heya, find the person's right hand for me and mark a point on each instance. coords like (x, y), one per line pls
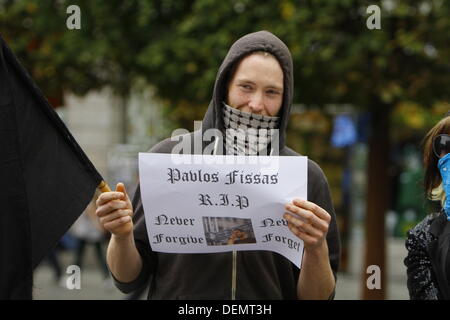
(114, 211)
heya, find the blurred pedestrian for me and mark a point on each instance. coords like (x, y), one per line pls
(88, 231)
(66, 243)
(53, 261)
(428, 268)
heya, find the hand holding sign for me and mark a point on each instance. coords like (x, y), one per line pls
(308, 221)
(114, 210)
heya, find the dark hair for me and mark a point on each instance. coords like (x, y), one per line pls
(432, 177)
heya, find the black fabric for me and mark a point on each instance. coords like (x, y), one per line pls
(439, 251)
(47, 179)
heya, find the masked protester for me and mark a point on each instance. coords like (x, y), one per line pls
(428, 242)
(253, 92)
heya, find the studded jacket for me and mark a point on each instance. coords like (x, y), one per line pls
(427, 260)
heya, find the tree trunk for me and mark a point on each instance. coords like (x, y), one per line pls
(124, 119)
(377, 204)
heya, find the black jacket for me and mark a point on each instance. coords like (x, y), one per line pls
(427, 262)
(260, 274)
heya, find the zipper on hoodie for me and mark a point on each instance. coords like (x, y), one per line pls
(234, 276)
(234, 253)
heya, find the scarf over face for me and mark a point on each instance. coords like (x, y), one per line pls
(444, 169)
(248, 134)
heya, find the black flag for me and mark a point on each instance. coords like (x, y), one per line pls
(47, 180)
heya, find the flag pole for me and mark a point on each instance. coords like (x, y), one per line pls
(103, 186)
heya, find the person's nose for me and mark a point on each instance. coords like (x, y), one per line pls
(256, 103)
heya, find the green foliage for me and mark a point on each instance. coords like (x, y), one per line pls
(177, 46)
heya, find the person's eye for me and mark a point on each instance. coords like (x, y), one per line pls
(246, 87)
(273, 92)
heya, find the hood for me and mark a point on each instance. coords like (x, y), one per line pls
(257, 41)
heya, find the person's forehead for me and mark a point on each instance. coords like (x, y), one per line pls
(259, 58)
(257, 65)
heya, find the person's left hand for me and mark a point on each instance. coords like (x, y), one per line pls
(308, 222)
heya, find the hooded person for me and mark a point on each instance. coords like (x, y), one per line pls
(259, 66)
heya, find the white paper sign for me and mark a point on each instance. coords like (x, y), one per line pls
(201, 203)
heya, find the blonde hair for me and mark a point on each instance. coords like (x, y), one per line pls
(264, 53)
(438, 194)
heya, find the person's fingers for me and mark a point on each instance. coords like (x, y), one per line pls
(117, 223)
(308, 240)
(304, 226)
(120, 187)
(307, 216)
(110, 207)
(114, 215)
(109, 196)
(311, 206)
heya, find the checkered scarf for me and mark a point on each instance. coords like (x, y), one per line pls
(247, 134)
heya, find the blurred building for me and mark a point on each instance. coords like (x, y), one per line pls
(112, 130)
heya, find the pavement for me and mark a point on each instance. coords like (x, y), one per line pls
(350, 284)
(94, 287)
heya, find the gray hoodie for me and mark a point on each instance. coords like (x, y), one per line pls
(244, 274)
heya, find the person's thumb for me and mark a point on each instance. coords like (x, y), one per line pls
(120, 187)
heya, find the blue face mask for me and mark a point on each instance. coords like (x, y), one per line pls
(444, 168)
